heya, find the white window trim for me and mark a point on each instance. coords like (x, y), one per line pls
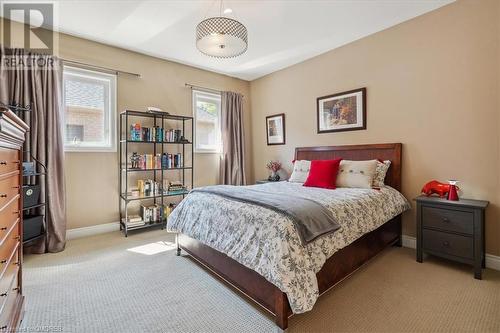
(112, 148)
(219, 132)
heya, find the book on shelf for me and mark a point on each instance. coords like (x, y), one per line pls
(156, 213)
(133, 221)
(158, 161)
(154, 134)
(176, 186)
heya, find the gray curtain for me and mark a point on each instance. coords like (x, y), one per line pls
(40, 87)
(232, 166)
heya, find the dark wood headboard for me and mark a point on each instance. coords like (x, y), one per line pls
(383, 151)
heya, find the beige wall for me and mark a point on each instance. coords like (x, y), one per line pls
(92, 178)
(432, 84)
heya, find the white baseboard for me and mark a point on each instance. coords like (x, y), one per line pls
(492, 261)
(410, 242)
(92, 230)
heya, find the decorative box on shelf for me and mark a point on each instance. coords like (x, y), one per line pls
(452, 229)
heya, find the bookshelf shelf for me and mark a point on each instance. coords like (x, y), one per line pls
(145, 197)
(42, 204)
(157, 142)
(159, 136)
(163, 169)
(144, 226)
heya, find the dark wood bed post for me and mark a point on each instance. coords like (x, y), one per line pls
(282, 309)
(343, 263)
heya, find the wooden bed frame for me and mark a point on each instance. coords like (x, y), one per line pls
(336, 268)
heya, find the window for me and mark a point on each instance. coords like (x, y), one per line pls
(90, 110)
(206, 109)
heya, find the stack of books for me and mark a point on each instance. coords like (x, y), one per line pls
(176, 186)
(133, 221)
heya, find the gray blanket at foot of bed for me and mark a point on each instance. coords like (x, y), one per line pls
(309, 217)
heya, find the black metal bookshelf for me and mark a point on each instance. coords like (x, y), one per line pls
(126, 143)
(38, 210)
(32, 229)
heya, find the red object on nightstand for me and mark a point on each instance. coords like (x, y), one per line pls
(452, 193)
(441, 189)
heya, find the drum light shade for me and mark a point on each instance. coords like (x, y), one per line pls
(221, 37)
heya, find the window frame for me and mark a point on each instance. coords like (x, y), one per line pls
(110, 117)
(210, 96)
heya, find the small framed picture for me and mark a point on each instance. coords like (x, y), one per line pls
(340, 112)
(275, 128)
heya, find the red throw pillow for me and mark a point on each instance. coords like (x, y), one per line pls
(323, 173)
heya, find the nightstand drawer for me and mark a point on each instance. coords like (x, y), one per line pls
(442, 242)
(447, 219)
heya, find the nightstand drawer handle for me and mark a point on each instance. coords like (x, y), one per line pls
(3, 162)
(446, 243)
(3, 195)
(3, 261)
(446, 220)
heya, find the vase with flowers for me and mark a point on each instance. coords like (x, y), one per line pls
(274, 166)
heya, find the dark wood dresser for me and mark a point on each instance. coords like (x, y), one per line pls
(452, 229)
(12, 133)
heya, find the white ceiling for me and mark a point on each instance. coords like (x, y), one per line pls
(280, 33)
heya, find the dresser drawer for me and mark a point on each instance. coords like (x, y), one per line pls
(9, 306)
(446, 219)
(9, 270)
(9, 160)
(8, 280)
(9, 187)
(8, 216)
(8, 246)
(442, 242)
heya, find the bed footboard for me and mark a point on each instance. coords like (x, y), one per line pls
(253, 285)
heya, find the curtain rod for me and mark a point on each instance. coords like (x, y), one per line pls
(116, 71)
(203, 88)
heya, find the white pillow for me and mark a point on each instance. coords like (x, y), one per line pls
(380, 172)
(358, 174)
(300, 171)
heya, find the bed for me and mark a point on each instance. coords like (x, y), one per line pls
(258, 252)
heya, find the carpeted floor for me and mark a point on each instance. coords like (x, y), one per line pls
(108, 283)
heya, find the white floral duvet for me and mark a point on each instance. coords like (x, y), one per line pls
(267, 242)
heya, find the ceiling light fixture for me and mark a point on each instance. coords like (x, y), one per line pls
(221, 37)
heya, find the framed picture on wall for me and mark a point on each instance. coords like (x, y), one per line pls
(275, 128)
(345, 111)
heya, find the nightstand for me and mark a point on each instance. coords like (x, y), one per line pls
(452, 229)
(264, 181)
